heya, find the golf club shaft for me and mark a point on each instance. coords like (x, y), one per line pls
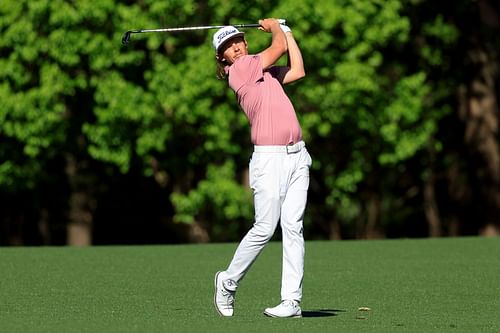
(126, 36)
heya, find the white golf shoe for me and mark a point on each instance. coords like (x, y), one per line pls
(224, 295)
(286, 309)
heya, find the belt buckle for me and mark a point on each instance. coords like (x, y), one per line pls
(289, 145)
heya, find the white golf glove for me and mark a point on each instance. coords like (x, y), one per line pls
(285, 28)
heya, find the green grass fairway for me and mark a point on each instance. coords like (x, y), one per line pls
(438, 285)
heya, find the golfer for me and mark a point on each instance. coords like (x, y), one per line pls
(279, 167)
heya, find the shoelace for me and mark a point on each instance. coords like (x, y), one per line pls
(228, 290)
(289, 303)
(229, 295)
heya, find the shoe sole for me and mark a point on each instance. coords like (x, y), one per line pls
(215, 294)
(273, 316)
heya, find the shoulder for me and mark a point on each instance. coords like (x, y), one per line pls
(246, 61)
(245, 70)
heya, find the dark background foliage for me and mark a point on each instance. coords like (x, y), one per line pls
(106, 144)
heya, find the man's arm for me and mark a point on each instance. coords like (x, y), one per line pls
(278, 45)
(295, 62)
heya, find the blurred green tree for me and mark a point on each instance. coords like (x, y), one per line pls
(82, 115)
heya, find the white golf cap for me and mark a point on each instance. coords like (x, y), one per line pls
(223, 35)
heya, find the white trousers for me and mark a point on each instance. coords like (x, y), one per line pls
(279, 178)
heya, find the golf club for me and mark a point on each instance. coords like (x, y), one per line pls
(126, 36)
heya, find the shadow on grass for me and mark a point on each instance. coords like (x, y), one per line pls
(321, 313)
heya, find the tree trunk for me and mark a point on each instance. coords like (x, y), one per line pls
(431, 207)
(372, 229)
(478, 109)
(334, 230)
(81, 204)
(198, 233)
(79, 232)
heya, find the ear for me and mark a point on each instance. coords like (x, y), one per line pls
(218, 58)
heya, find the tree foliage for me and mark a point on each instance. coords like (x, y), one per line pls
(79, 110)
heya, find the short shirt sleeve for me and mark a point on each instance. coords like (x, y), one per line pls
(246, 70)
(278, 72)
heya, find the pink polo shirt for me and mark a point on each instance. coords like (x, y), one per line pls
(259, 92)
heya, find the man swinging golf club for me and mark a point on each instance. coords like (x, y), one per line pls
(279, 167)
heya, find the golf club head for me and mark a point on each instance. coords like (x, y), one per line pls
(126, 38)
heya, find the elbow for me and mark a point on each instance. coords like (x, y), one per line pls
(301, 74)
(293, 76)
(284, 48)
(279, 48)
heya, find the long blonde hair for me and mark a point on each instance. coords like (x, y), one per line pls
(220, 72)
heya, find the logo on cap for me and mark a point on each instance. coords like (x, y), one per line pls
(224, 34)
